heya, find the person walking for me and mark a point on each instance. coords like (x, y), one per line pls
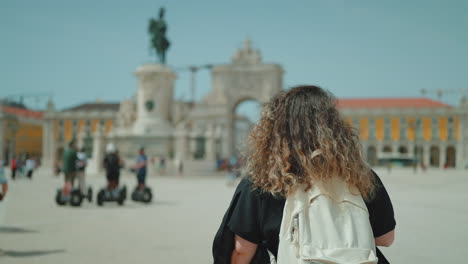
(3, 181)
(162, 165)
(30, 165)
(3, 192)
(301, 146)
(13, 167)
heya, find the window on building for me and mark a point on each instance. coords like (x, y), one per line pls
(435, 127)
(403, 128)
(387, 135)
(418, 128)
(371, 128)
(60, 133)
(387, 128)
(356, 123)
(88, 125)
(403, 134)
(451, 133)
(387, 120)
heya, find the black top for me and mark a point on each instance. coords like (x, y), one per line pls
(256, 216)
(112, 165)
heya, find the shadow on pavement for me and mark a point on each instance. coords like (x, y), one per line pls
(171, 203)
(28, 253)
(128, 205)
(11, 229)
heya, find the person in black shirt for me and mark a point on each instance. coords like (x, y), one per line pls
(112, 164)
(282, 155)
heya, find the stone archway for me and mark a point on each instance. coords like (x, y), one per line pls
(372, 155)
(434, 159)
(403, 150)
(245, 78)
(246, 114)
(387, 149)
(450, 157)
(418, 154)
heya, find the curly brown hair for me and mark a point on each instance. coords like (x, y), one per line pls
(301, 138)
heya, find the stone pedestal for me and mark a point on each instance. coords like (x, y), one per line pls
(81, 139)
(95, 165)
(395, 147)
(410, 147)
(364, 148)
(461, 151)
(180, 147)
(48, 144)
(154, 100)
(379, 149)
(426, 155)
(226, 145)
(192, 145)
(442, 155)
(210, 143)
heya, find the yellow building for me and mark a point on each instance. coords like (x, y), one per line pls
(20, 132)
(79, 123)
(408, 130)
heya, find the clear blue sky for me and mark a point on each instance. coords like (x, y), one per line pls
(82, 50)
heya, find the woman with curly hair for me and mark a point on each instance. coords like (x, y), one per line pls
(300, 140)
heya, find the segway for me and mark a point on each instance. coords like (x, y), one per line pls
(118, 195)
(144, 195)
(75, 198)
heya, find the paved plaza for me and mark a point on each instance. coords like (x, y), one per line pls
(178, 227)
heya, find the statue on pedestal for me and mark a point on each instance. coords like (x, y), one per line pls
(157, 29)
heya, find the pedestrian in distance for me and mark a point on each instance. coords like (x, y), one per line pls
(20, 165)
(307, 195)
(3, 181)
(162, 165)
(3, 192)
(30, 166)
(13, 167)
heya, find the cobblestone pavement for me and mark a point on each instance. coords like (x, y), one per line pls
(178, 227)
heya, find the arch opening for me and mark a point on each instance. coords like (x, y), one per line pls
(403, 150)
(434, 156)
(387, 149)
(245, 114)
(450, 161)
(372, 155)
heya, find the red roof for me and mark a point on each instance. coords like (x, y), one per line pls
(356, 103)
(23, 112)
(95, 107)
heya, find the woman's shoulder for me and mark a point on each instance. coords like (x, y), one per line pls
(247, 188)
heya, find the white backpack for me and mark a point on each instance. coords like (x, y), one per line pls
(317, 228)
